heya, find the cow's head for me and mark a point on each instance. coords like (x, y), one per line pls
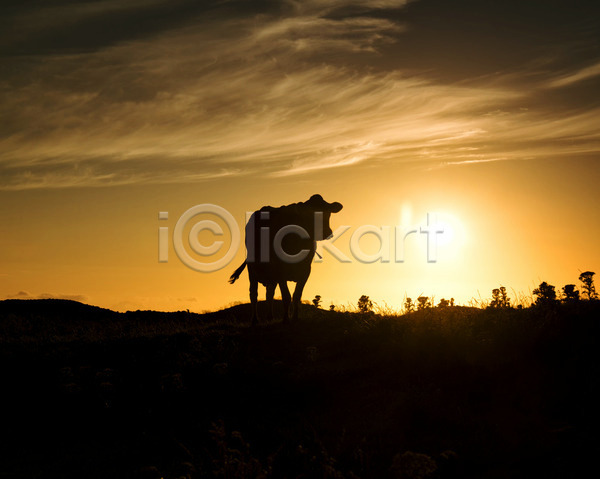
(316, 204)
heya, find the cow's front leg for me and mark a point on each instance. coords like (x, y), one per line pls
(254, 301)
(297, 298)
(270, 294)
(286, 298)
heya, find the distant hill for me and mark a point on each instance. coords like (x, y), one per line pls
(50, 320)
(69, 310)
(52, 308)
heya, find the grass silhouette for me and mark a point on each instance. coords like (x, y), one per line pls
(441, 392)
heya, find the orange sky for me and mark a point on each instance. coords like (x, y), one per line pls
(488, 119)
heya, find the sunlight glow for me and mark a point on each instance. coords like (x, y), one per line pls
(453, 240)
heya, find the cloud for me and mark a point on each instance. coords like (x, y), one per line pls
(98, 172)
(465, 162)
(19, 295)
(586, 73)
(337, 157)
(286, 91)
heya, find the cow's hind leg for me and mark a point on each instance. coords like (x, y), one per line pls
(254, 301)
(270, 293)
(286, 298)
(297, 297)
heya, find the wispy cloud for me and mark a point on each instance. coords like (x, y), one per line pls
(570, 78)
(276, 93)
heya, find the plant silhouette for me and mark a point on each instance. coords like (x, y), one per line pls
(365, 305)
(409, 305)
(317, 301)
(570, 294)
(423, 303)
(499, 298)
(589, 289)
(546, 295)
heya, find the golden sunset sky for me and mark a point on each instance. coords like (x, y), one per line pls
(484, 113)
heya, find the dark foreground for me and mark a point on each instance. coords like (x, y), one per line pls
(442, 393)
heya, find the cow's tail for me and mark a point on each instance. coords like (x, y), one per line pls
(236, 273)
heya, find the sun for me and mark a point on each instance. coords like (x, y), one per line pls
(448, 233)
(446, 228)
(453, 238)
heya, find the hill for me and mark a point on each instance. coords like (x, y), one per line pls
(440, 393)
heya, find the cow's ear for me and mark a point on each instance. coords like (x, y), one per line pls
(335, 207)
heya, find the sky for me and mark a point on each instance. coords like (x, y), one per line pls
(482, 114)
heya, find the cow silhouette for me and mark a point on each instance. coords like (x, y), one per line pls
(280, 246)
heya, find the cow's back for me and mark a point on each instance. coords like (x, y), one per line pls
(265, 262)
